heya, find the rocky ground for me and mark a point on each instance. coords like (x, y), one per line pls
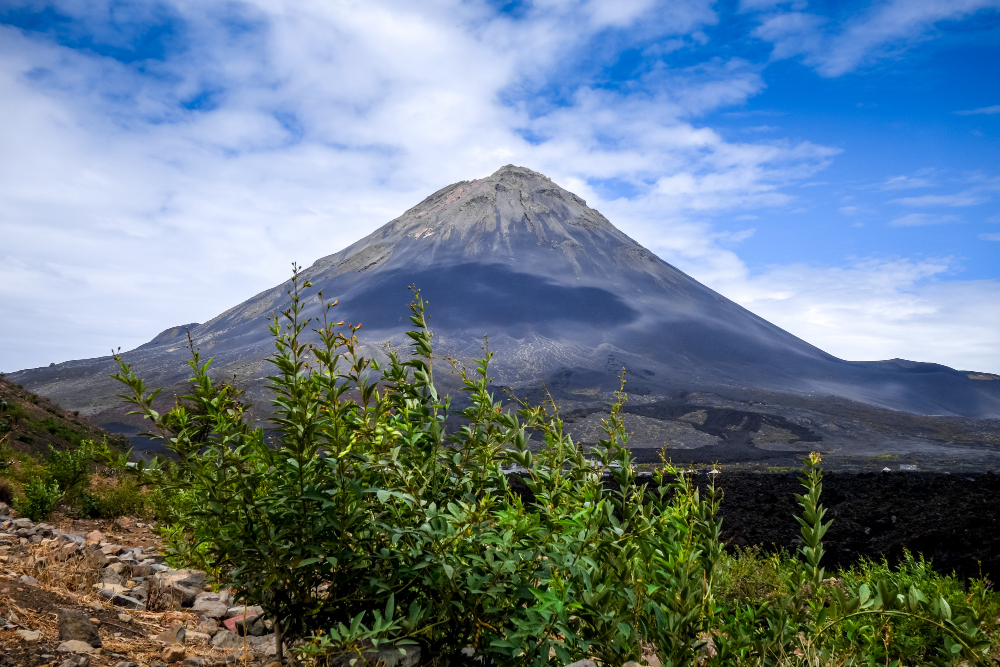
(76, 594)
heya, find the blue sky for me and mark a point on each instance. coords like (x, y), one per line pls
(831, 166)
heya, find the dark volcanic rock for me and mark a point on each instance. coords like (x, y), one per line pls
(75, 625)
(953, 520)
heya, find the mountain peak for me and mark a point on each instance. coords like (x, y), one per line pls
(515, 216)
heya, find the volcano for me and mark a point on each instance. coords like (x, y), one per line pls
(568, 301)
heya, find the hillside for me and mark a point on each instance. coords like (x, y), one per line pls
(32, 423)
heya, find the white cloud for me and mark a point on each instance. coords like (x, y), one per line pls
(922, 219)
(881, 309)
(959, 199)
(989, 111)
(990, 237)
(123, 213)
(887, 29)
(905, 183)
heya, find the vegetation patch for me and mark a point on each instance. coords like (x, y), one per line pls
(364, 522)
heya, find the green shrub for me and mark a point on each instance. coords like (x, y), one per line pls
(123, 498)
(169, 505)
(15, 412)
(58, 429)
(38, 500)
(70, 468)
(6, 453)
(29, 470)
(751, 576)
(367, 522)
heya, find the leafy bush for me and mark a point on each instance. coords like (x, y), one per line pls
(908, 638)
(70, 468)
(751, 576)
(15, 413)
(168, 500)
(366, 521)
(124, 498)
(58, 429)
(38, 500)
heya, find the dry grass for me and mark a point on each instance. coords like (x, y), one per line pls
(67, 582)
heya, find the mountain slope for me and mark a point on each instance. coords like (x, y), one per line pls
(565, 297)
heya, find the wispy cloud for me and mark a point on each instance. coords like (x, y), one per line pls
(988, 111)
(323, 122)
(922, 219)
(892, 305)
(905, 183)
(956, 200)
(990, 237)
(176, 175)
(885, 30)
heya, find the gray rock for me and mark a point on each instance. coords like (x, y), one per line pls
(174, 635)
(109, 576)
(582, 663)
(181, 587)
(390, 656)
(233, 612)
(74, 624)
(226, 639)
(142, 570)
(29, 581)
(126, 663)
(262, 646)
(22, 523)
(79, 661)
(120, 600)
(210, 604)
(117, 569)
(208, 626)
(30, 635)
(253, 626)
(75, 646)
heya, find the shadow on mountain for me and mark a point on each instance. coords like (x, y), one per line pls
(491, 297)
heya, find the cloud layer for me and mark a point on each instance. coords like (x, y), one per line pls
(162, 164)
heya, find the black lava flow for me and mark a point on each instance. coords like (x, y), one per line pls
(953, 520)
